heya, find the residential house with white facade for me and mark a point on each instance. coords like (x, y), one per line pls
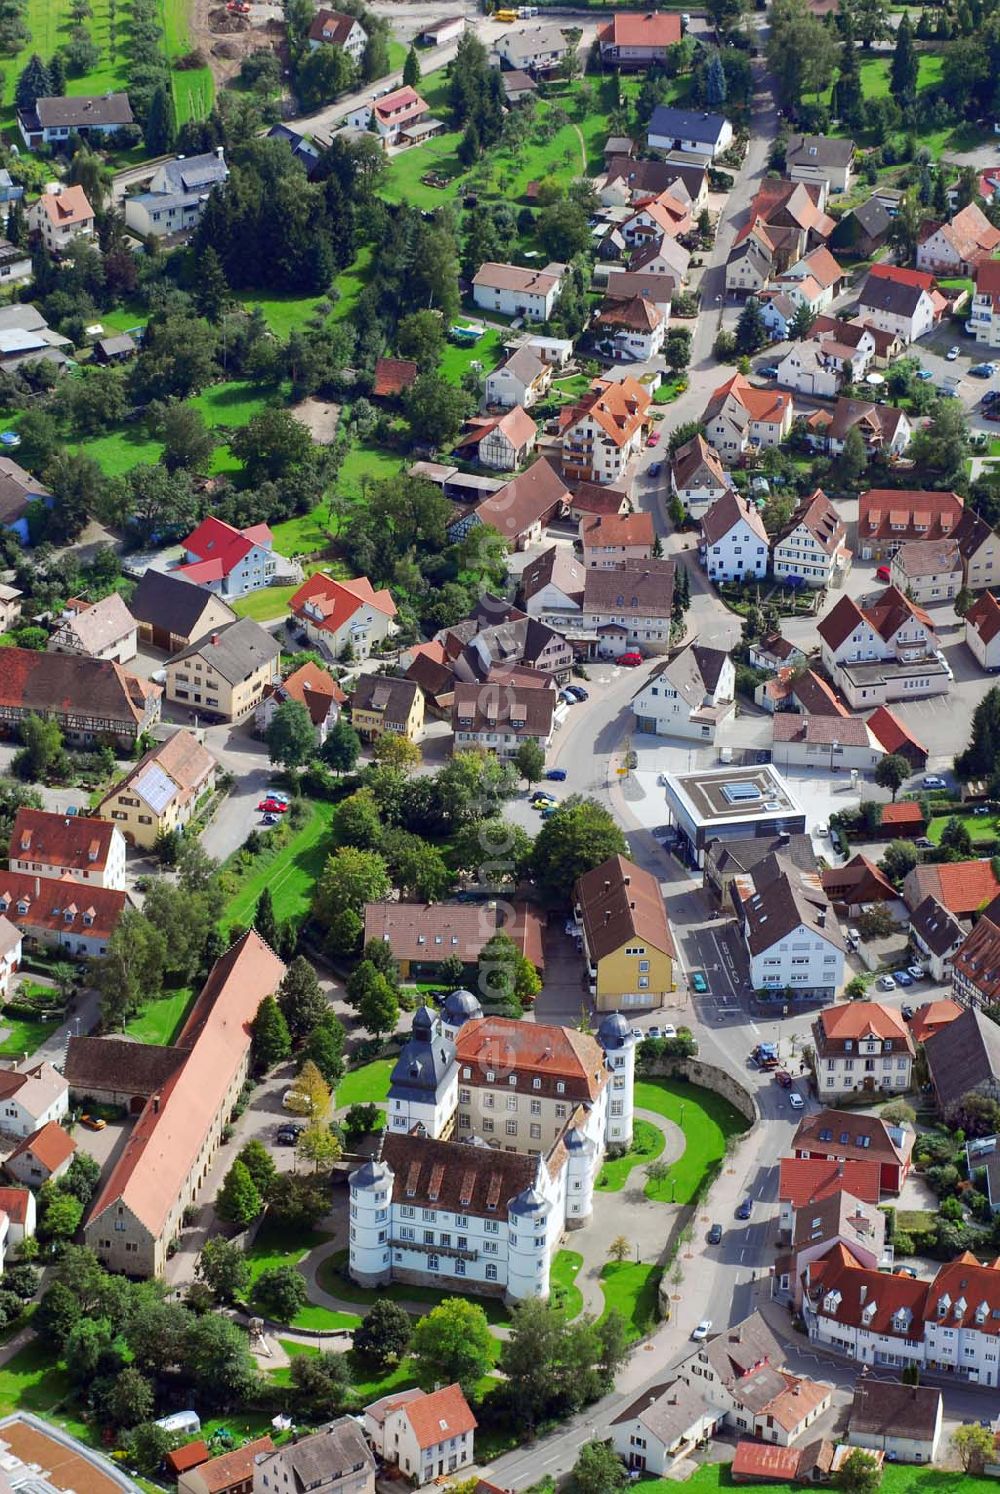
(813, 543)
(522, 379)
(497, 719)
(61, 216)
(820, 158)
(982, 631)
(51, 121)
(501, 442)
(552, 587)
(635, 328)
(608, 539)
(734, 540)
(697, 134)
(792, 936)
(861, 1046)
(228, 561)
(633, 42)
(697, 477)
(884, 428)
(984, 317)
(96, 630)
(938, 935)
(339, 615)
(883, 652)
(426, 1435)
(604, 431)
(86, 850)
(805, 370)
(901, 1421)
(536, 50)
(175, 196)
(959, 246)
(513, 291)
(331, 28)
(32, 1097)
(929, 572)
(688, 696)
(900, 301)
(890, 517)
(739, 415)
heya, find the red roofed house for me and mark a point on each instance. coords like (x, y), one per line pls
(503, 442)
(45, 1154)
(984, 317)
(91, 700)
(87, 850)
(857, 882)
(232, 1473)
(393, 116)
(604, 431)
(861, 1046)
(890, 517)
(312, 687)
(629, 41)
(762, 1462)
(902, 302)
(332, 29)
(739, 415)
(901, 820)
(60, 216)
(963, 887)
(426, 1436)
(842, 1136)
(228, 561)
(76, 917)
(809, 1180)
(393, 376)
(958, 247)
(813, 543)
(896, 738)
(982, 629)
(608, 539)
(885, 651)
(338, 615)
(19, 1206)
(635, 327)
(928, 1019)
(522, 508)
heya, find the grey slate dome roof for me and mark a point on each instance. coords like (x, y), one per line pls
(423, 1022)
(460, 1006)
(528, 1201)
(576, 1141)
(424, 1060)
(614, 1031)
(370, 1174)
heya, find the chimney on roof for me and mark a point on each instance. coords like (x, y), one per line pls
(632, 907)
(607, 915)
(215, 639)
(156, 1104)
(821, 918)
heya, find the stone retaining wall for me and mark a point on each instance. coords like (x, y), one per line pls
(707, 1076)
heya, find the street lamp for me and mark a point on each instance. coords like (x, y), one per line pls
(834, 746)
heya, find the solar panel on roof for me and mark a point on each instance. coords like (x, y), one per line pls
(156, 787)
(740, 793)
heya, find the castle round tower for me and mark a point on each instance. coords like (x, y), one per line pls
(370, 1258)
(615, 1037)
(581, 1166)
(458, 1008)
(528, 1262)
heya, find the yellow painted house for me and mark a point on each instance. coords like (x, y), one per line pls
(382, 703)
(627, 941)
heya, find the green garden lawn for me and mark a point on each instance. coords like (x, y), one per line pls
(274, 1247)
(647, 1144)
(564, 1291)
(896, 1479)
(267, 603)
(979, 826)
(367, 1085)
(630, 1287)
(160, 1021)
(32, 1381)
(457, 358)
(283, 314)
(21, 1035)
(291, 873)
(707, 1121)
(307, 533)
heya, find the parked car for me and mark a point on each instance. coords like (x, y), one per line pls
(567, 698)
(916, 972)
(578, 691)
(886, 983)
(795, 1100)
(902, 977)
(631, 660)
(541, 799)
(715, 1235)
(702, 1331)
(821, 830)
(906, 1271)
(556, 775)
(980, 809)
(925, 374)
(269, 819)
(924, 843)
(638, 1034)
(932, 781)
(654, 1032)
(883, 573)
(906, 1012)
(990, 398)
(288, 1135)
(93, 1122)
(768, 371)
(784, 1078)
(699, 982)
(654, 469)
(273, 806)
(548, 812)
(654, 439)
(982, 370)
(952, 353)
(745, 1209)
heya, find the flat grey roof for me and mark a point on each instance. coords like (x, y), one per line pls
(733, 794)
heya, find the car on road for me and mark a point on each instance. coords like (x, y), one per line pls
(288, 1135)
(883, 574)
(822, 829)
(556, 775)
(990, 398)
(745, 1209)
(638, 1034)
(703, 1329)
(272, 806)
(932, 781)
(548, 811)
(654, 439)
(654, 1032)
(916, 972)
(979, 809)
(654, 469)
(715, 1235)
(886, 983)
(925, 374)
(631, 660)
(952, 353)
(698, 982)
(542, 796)
(784, 1078)
(982, 370)
(768, 371)
(906, 1012)
(568, 699)
(923, 843)
(903, 977)
(281, 797)
(795, 1100)
(578, 691)
(93, 1122)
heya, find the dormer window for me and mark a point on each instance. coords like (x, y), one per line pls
(944, 1303)
(831, 1302)
(848, 1046)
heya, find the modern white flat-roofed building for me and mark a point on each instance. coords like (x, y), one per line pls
(730, 804)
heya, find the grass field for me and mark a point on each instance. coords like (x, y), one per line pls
(647, 1144)
(291, 874)
(458, 359)
(30, 1382)
(307, 533)
(367, 1085)
(564, 1291)
(707, 1121)
(630, 1287)
(283, 314)
(21, 1035)
(896, 1479)
(979, 826)
(278, 1247)
(875, 74)
(160, 1021)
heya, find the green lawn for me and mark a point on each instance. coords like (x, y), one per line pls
(564, 1291)
(269, 602)
(896, 1479)
(21, 1035)
(193, 88)
(32, 1382)
(367, 1085)
(979, 826)
(647, 1144)
(275, 1246)
(160, 1021)
(706, 1120)
(459, 358)
(307, 533)
(283, 314)
(291, 874)
(630, 1287)
(875, 74)
(398, 1291)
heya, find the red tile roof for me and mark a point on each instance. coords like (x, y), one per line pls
(50, 1144)
(862, 1019)
(651, 29)
(617, 529)
(984, 614)
(767, 406)
(809, 1180)
(906, 812)
(219, 548)
(14, 1203)
(393, 375)
(761, 1460)
(917, 278)
(902, 514)
(962, 887)
(191, 1455)
(74, 842)
(338, 601)
(59, 904)
(930, 1018)
(891, 732)
(233, 1468)
(439, 1416)
(400, 106)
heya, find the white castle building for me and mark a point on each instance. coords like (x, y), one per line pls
(497, 1130)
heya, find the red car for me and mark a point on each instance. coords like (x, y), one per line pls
(883, 573)
(784, 1078)
(272, 806)
(654, 439)
(630, 660)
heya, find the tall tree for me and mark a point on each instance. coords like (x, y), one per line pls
(892, 772)
(905, 65)
(801, 51)
(411, 68)
(264, 920)
(211, 291)
(34, 82)
(239, 1201)
(452, 1343)
(291, 736)
(751, 333)
(301, 998)
(161, 121)
(715, 82)
(981, 757)
(579, 836)
(272, 1042)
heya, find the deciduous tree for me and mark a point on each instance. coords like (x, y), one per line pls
(452, 1344)
(892, 772)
